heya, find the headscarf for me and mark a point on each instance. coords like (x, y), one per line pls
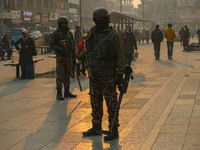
(27, 35)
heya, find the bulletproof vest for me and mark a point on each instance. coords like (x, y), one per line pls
(60, 36)
(105, 50)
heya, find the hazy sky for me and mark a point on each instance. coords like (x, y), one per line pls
(136, 2)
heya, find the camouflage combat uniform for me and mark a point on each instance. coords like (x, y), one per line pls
(63, 57)
(107, 61)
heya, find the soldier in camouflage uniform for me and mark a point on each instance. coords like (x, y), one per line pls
(107, 67)
(63, 43)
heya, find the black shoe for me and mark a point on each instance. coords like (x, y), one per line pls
(70, 95)
(113, 135)
(59, 95)
(91, 132)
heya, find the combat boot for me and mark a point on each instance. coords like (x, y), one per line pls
(113, 135)
(69, 94)
(93, 131)
(59, 95)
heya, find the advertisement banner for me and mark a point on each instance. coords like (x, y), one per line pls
(45, 20)
(37, 18)
(16, 14)
(53, 16)
(27, 13)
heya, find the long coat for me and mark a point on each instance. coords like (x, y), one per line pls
(129, 42)
(25, 53)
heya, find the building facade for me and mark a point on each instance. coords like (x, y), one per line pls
(177, 12)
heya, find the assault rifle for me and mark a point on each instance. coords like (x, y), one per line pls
(123, 89)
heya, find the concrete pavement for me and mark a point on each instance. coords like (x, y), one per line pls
(161, 110)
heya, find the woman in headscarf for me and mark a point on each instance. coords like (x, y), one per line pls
(26, 52)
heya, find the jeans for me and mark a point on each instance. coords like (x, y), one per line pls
(129, 58)
(156, 49)
(170, 45)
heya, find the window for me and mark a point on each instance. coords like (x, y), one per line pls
(193, 11)
(38, 3)
(19, 2)
(30, 3)
(46, 3)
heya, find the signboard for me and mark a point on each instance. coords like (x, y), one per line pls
(27, 13)
(16, 14)
(6, 15)
(45, 20)
(53, 16)
(74, 2)
(37, 18)
(28, 16)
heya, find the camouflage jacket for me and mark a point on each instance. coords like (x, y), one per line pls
(108, 65)
(56, 43)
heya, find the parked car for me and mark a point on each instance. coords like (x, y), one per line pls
(36, 35)
(16, 34)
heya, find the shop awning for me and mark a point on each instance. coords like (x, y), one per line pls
(16, 21)
(116, 17)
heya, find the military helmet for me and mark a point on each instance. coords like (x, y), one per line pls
(62, 20)
(100, 13)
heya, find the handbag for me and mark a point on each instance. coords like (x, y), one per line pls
(136, 54)
(34, 51)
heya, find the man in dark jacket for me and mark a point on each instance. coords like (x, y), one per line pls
(6, 46)
(129, 43)
(105, 49)
(63, 43)
(78, 35)
(157, 38)
(198, 33)
(186, 37)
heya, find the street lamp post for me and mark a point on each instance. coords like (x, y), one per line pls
(121, 6)
(143, 13)
(80, 12)
(2, 7)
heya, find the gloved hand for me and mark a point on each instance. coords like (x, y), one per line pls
(119, 80)
(61, 49)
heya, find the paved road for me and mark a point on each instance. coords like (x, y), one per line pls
(161, 110)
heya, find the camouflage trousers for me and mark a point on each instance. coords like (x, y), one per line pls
(62, 73)
(103, 87)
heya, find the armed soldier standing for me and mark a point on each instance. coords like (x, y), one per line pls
(105, 50)
(63, 43)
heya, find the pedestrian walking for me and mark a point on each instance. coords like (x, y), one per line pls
(157, 38)
(139, 36)
(78, 35)
(63, 43)
(147, 36)
(26, 52)
(186, 37)
(181, 34)
(198, 33)
(129, 44)
(105, 49)
(6, 45)
(170, 36)
(143, 35)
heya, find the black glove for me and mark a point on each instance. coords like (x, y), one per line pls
(119, 80)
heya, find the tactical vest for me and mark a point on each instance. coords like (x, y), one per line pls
(103, 57)
(105, 51)
(65, 36)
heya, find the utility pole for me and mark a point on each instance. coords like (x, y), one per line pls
(143, 13)
(2, 7)
(80, 3)
(121, 6)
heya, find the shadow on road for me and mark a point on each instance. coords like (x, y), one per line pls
(54, 127)
(98, 143)
(12, 87)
